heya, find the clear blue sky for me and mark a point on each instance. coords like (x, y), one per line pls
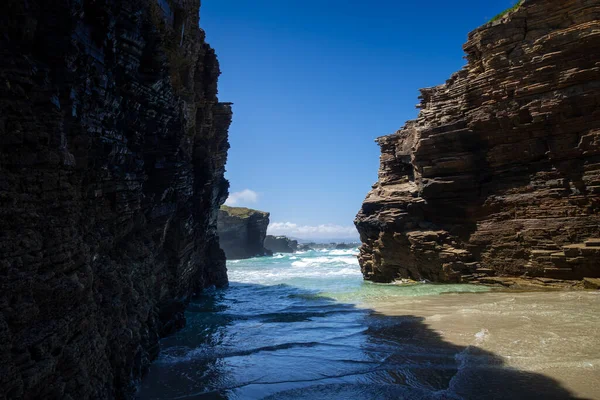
(314, 82)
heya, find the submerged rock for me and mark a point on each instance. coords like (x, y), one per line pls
(112, 152)
(242, 232)
(281, 244)
(591, 283)
(500, 173)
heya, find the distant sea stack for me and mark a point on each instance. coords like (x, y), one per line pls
(500, 173)
(242, 232)
(281, 244)
(112, 152)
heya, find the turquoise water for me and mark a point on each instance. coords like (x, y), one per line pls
(306, 326)
(328, 273)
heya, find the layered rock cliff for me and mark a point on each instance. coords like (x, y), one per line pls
(242, 232)
(112, 154)
(280, 244)
(500, 172)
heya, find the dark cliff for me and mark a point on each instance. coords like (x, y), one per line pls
(281, 244)
(242, 232)
(112, 154)
(500, 173)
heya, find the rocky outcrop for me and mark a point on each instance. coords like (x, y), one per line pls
(347, 246)
(281, 244)
(242, 232)
(328, 246)
(500, 173)
(112, 154)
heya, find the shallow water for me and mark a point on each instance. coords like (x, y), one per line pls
(305, 326)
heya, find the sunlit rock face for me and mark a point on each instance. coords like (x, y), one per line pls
(242, 232)
(112, 153)
(500, 173)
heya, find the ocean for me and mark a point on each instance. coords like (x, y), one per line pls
(306, 326)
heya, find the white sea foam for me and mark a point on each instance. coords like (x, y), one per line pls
(319, 261)
(258, 276)
(349, 260)
(350, 252)
(481, 335)
(301, 263)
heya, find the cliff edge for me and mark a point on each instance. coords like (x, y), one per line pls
(112, 153)
(242, 232)
(500, 172)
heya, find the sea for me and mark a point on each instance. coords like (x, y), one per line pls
(307, 326)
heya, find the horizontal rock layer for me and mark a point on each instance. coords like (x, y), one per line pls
(112, 154)
(500, 173)
(242, 232)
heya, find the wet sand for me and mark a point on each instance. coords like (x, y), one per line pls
(555, 334)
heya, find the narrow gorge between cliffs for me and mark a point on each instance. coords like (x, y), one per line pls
(154, 246)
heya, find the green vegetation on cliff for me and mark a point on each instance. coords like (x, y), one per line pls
(241, 212)
(503, 13)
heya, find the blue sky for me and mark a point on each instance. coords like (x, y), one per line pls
(313, 83)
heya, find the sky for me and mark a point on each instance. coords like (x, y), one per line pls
(313, 83)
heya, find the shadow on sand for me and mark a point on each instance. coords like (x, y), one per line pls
(279, 342)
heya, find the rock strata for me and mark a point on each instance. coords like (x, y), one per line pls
(242, 232)
(281, 244)
(500, 173)
(112, 154)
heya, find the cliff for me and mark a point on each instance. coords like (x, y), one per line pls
(281, 244)
(242, 232)
(112, 154)
(500, 172)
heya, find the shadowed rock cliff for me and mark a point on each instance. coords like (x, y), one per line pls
(281, 244)
(500, 173)
(112, 154)
(242, 232)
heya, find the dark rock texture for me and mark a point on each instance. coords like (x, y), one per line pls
(112, 154)
(500, 173)
(242, 232)
(281, 244)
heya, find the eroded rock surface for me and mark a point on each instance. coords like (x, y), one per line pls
(500, 173)
(242, 232)
(112, 154)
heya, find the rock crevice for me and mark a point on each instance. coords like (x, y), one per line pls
(500, 172)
